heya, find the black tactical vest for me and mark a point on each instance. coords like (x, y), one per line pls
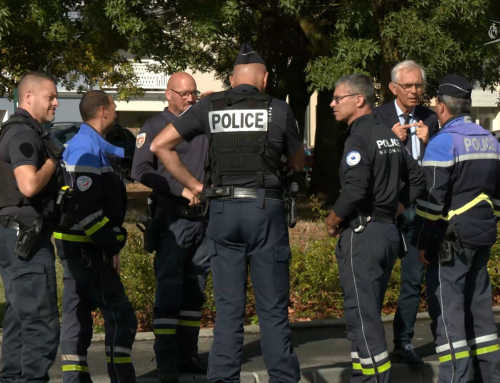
(239, 145)
(44, 201)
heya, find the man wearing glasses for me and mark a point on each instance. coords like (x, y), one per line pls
(181, 262)
(414, 125)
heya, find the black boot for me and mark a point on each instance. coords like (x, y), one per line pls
(168, 373)
(193, 365)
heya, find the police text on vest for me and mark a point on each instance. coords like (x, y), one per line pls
(237, 121)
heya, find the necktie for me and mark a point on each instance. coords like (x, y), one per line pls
(413, 143)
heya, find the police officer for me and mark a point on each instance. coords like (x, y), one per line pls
(27, 169)
(89, 241)
(248, 131)
(455, 228)
(373, 167)
(181, 260)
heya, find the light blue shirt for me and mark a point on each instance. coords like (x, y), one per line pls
(415, 142)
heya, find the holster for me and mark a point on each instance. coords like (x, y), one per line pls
(358, 223)
(29, 232)
(151, 224)
(449, 244)
(290, 199)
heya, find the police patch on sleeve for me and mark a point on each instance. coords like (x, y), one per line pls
(141, 138)
(83, 183)
(353, 158)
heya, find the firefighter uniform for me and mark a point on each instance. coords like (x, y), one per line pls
(374, 166)
(91, 235)
(181, 261)
(462, 168)
(248, 131)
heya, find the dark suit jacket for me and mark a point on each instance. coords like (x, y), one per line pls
(388, 115)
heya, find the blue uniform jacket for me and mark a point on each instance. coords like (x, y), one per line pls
(462, 169)
(99, 199)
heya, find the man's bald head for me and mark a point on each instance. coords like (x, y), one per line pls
(37, 94)
(251, 74)
(181, 92)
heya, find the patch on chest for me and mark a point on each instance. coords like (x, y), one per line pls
(83, 183)
(353, 158)
(234, 121)
(141, 138)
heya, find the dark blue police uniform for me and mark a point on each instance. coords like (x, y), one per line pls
(459, 217)
(374, 166)
(247, 227)
(31, 323)
(91, 235)
(181, 261)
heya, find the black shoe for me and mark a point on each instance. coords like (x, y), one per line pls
(168, 374)
(406, 354)
(193, 365)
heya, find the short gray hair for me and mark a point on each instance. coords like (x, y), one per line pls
(408, 64)
(360, 84)
(456, 105)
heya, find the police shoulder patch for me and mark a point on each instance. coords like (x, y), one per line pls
(141, 138)
(83, 183)
(353, 158)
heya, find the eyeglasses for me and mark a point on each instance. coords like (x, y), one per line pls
(338, 98)
(185, 94)
(407, 87)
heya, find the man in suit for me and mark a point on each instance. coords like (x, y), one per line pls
(414, 125)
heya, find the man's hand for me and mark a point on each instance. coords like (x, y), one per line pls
(400, 130)
(116, 263)
(401, 209)
(421, 257)
(193, 200)
(332, 222)
(422, 132)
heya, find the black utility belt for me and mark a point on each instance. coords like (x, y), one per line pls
(178, 206)
(231, 192)
(8, 222)
(359, 223)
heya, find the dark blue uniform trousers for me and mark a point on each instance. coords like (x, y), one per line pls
(460, 305)
(365, 263)
(250, 233)
(181, 268)
(86, 288)
(412, 275)
(31, 321)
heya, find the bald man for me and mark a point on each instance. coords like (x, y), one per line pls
(181, 260)
(249, 134)
(29, 190)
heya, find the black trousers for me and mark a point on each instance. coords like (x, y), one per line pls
(90, 283)
(365, 262)
(250, 234)
(31, 322)
(460, 305)
(181, 268)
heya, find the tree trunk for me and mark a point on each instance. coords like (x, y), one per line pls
(328, 149)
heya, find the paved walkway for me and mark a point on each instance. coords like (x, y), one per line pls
(323, 354)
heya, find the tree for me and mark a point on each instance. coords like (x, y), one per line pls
(72, 40)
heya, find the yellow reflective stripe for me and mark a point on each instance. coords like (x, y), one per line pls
(434, 217)
(458, 355)
(497, 213)
(371, 371)
(71, 238)
(486, 350)
(97, 226)
(120, 359)
(164, 331)
(75, 367)
(190, 323)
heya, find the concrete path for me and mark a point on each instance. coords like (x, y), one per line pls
(323, 352)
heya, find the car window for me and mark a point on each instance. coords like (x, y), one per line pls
(117, 137)
(66, 135)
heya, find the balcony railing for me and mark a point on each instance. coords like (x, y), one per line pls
(149, 80)
(485, 98)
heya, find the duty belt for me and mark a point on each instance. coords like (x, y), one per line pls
(8, 222)
(230, 192)
(381, 218)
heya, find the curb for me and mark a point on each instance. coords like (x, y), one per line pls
(342, 374)
(254, 329)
